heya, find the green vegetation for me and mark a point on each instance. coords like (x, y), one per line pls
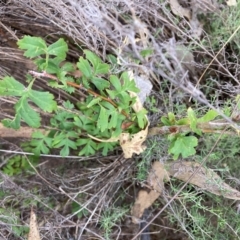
(104, 113)
(110, 218)
(82, 186)
(18, 164)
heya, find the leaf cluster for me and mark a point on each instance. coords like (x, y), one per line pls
(106, 112)
(181, 143)
(18, 164)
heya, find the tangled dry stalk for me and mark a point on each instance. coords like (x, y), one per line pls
(124, 28)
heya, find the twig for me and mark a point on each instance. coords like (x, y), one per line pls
(75, 85)
(208, 127)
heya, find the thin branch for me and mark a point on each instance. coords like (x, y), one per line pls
(79, 86)
(210, 127)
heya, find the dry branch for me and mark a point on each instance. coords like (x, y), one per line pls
(217, 126)
(22, 132)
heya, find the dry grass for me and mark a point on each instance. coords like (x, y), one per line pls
(124, 28)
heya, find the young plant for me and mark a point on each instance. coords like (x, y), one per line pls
(18, 164)
(110, 218)
(180, 143)
(105, 113)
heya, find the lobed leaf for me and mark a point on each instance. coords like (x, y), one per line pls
(115, 82)
(93, 58)
(89, 148)
(112, 94)
(128, 85)
(24, 110)
(165, 121)
(84, 67)
(15, 123)
(184, 145)
(106, 147)
(193, 121)
(50, 67)
(141, 118)
(172, 118)
(98, 66)
(44, 100)
(113, 119)
(11, 87)
(102, 68)
(58, 49)
(68, 67)
(94, 101)
(100, 83)
(63, 139)
(209, 116)
(102, 122)
(40, 143)
(34, 46)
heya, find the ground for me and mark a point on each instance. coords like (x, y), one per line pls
(189, 50)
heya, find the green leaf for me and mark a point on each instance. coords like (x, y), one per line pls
(76, 208)
(100, 83)
(113, 114)
(40, 143)
(15, 123)
(141, 117)
(10, 87)
(193, 121)
(93, 58)
(40, 135)
(89, 148)
(94, 101)
(165, 121)
(112, 59)
(58, 49)
(128, 84)
(184, 145)
(43, 100)
(125, 100)
(112, 94)
(41, 63)
(102, 122)
(62, 120)
(64, 140)
(113, 119)
(182, 121)
(84, 67)
(146, 52)
(118, 128)
(68, 105)
(98, 66)
(50, 67)
(34, 46)
(171, 118)
(209, 116)
(102, 68)
(24, 110)
(115, 82)
(68, 67)
(106, 147)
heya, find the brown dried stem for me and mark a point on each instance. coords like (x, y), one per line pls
(209, 127)
(79, 86)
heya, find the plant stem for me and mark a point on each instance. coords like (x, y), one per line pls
(209, 127)
(44, 74)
